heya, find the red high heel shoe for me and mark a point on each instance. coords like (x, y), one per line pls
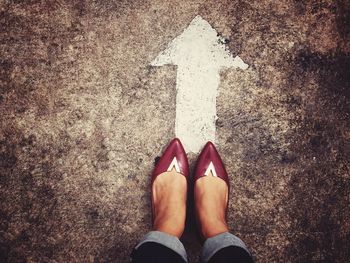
(210, 163)
(209, 160)
(174, 156)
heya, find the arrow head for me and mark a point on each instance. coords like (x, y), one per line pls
(199, 46)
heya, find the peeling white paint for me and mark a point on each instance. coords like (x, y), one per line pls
(199, 54)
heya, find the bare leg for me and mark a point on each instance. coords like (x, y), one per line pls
(211, 196)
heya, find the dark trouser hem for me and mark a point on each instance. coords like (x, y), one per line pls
(162, 241)
(152, 252)
(217, 243)
(231, 254)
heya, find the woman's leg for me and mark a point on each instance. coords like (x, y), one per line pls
(211, 192)
(169, 194)
(211, 195)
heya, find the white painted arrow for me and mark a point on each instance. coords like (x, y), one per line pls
(199, 54)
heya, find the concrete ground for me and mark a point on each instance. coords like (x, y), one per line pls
(83, 116)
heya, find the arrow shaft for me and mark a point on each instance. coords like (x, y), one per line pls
(197, 89)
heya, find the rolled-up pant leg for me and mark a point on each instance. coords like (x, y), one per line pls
(159, 247)
(225, 248)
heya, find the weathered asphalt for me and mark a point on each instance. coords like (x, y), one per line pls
(83, 116)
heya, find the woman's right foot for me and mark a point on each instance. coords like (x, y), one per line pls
(169, 194)
(169, 190)
(211, 191)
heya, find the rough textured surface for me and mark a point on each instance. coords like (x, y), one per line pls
(83, 116)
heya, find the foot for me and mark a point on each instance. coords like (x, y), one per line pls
(169, 193)
(211, 197)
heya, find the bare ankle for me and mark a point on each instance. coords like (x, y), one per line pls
(171, 227)
(211, 196)
(213, 228)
